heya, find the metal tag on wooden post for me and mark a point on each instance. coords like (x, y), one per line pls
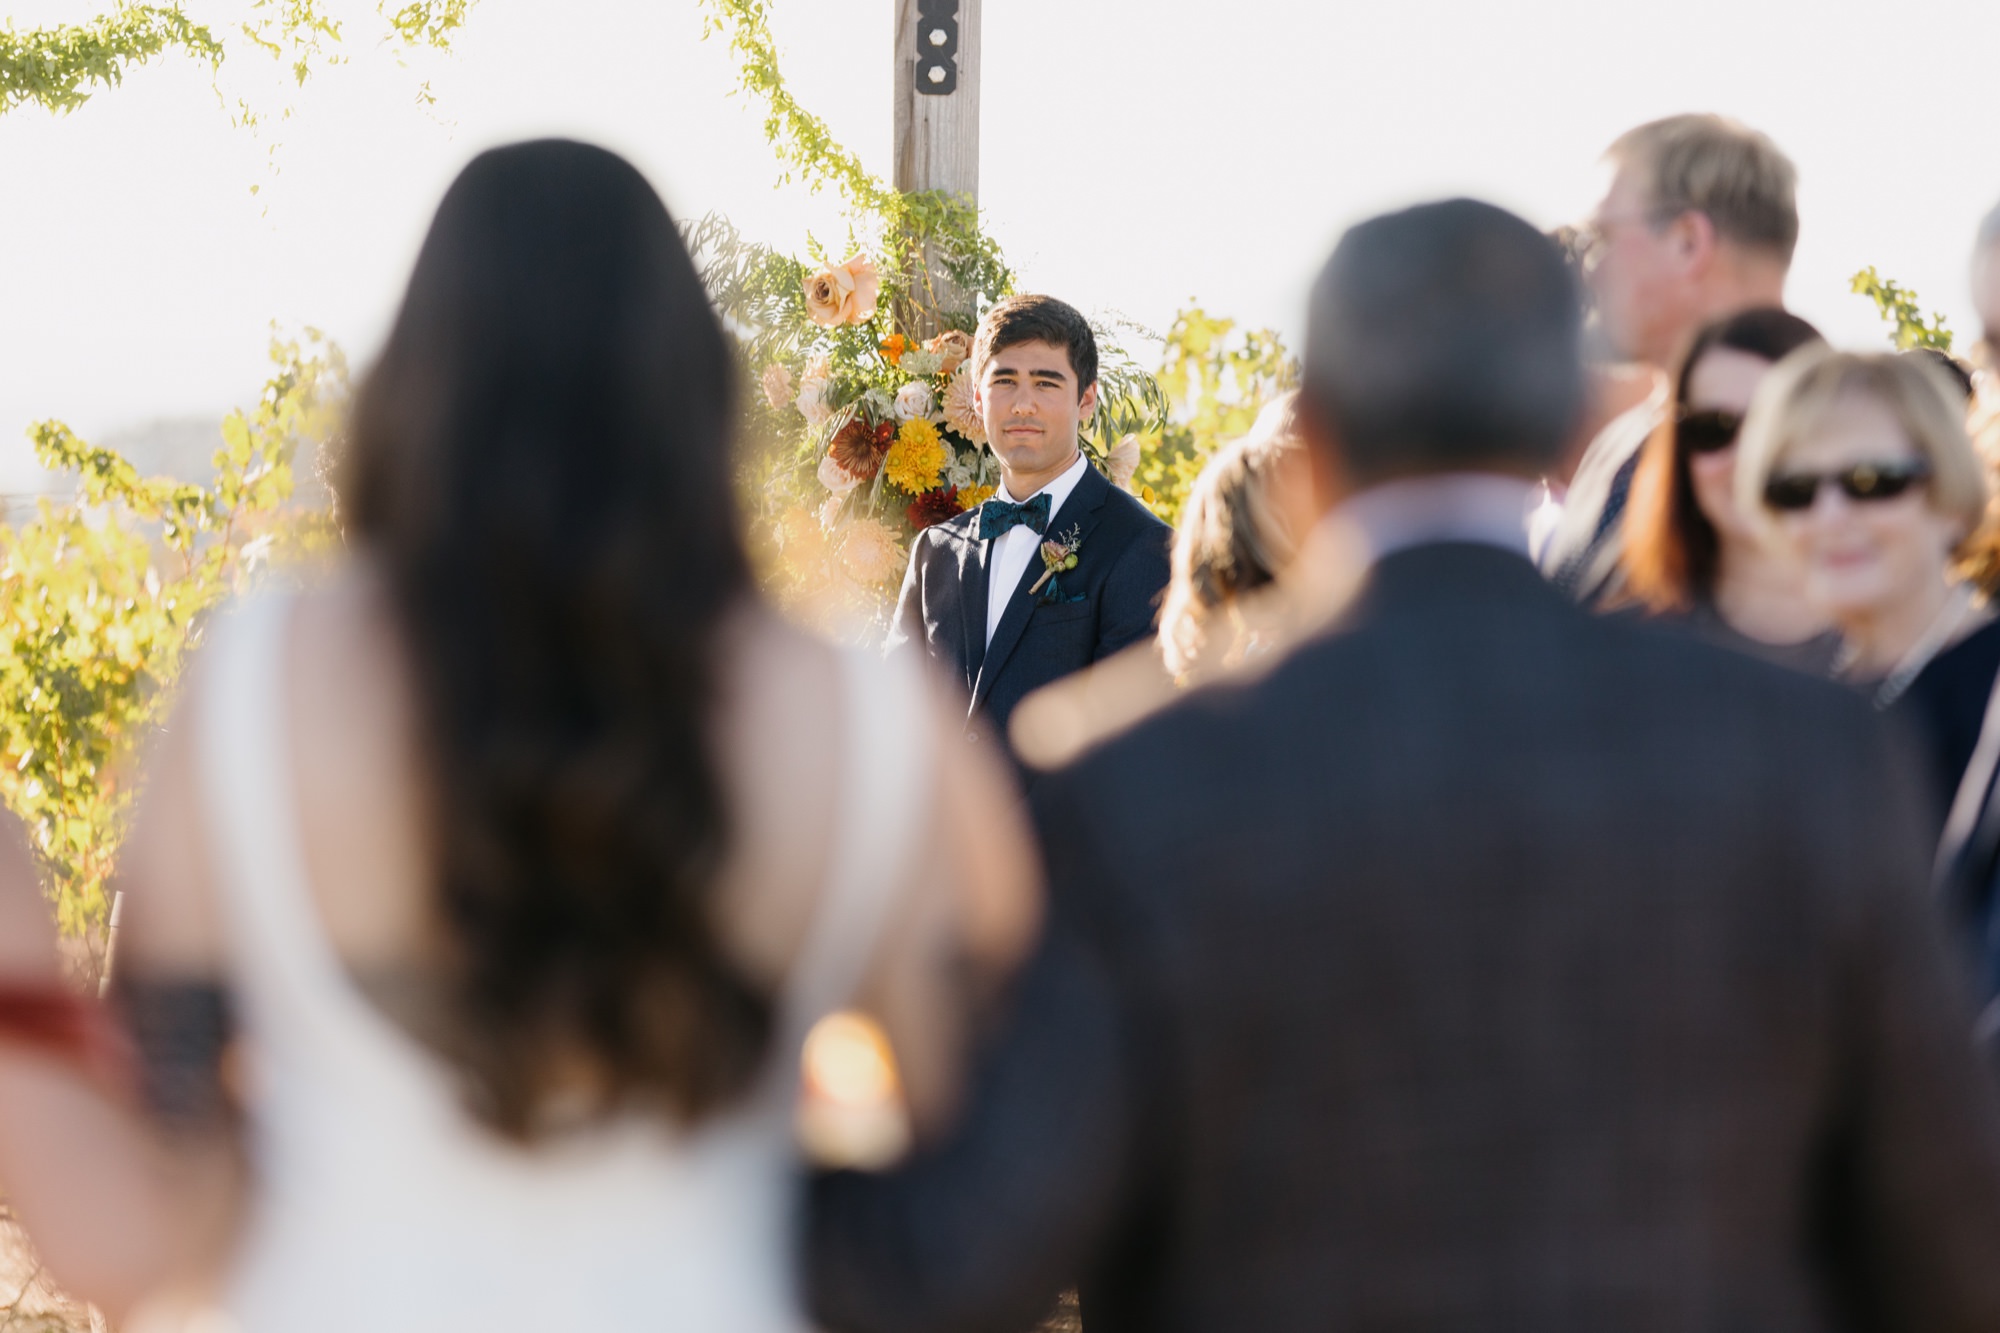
(937, 118)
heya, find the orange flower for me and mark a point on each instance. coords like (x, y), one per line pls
(893, 348)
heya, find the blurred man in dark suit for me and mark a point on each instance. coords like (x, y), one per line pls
(1483, 965)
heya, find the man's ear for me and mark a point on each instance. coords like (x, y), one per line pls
(1326, 453)
(1086, 406)
(1694, 239)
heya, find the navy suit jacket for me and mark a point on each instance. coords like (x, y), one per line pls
(1483, 965)
(1120, 573)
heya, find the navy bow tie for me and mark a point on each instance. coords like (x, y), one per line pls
(998, 516)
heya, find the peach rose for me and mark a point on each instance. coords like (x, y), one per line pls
(844, 294)
(954, 346)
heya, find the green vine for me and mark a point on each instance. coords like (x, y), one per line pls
(59, 68)
(1899, 309)
(800, 139)
(940, 233)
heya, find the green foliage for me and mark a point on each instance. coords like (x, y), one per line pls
(298, 31)
(432, 23)
(1215, 379)
(1899, 309)
(800, 139)
(58, 68)
(938, 264)
(102, 597)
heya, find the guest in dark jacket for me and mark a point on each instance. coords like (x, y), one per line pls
(1060, 569)
(1481, 965)
(1859, 466)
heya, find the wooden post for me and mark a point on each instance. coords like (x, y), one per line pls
(937, 114)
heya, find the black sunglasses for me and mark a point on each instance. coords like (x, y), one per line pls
(1864, 481)
(1706, 432)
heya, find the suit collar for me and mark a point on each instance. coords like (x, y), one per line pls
(1483, 507)
(1454, 573)
(1079, 512)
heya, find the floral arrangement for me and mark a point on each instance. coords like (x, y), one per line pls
(864, 429)
(864, 432)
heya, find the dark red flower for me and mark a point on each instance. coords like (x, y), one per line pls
(859, 448)
(933, 507)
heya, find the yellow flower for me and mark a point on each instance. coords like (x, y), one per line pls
(916, 460)
(975, 495)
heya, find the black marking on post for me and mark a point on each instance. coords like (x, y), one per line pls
(937, 47)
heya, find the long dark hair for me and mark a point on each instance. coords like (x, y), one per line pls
(539, 466)
(1672, 555)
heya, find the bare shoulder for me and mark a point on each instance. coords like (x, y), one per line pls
(775, 737)
(348, 718)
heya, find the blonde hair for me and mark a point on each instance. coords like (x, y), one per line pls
(1717, 167)
(1805, 389)
(1233, 536)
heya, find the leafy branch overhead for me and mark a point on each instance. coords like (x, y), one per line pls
(60, 67)
(1899, 309)
(938, 231)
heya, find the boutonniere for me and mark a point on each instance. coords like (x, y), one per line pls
(1058, 556)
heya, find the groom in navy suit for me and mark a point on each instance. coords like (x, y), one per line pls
(992, 602)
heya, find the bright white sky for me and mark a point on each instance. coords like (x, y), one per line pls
(1137, 154)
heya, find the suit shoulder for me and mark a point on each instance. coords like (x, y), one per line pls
(1131, 509)
(958, 528)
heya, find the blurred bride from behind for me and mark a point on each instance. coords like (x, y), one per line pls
(481, 894)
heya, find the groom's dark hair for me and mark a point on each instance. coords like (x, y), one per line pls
(1446, 337)
(1038, 319)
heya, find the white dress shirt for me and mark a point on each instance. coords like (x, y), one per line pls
(1573, 535)
(1483, 507)
(1014, 550)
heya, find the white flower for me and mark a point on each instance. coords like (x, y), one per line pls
(814, 390)
(835, 477)
(777, 385)
(920, 362)
(914, 400)
(1122, 462)
(879, 405)
(962, 472)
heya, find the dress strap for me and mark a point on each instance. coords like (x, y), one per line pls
(885, 802)
(282, 959)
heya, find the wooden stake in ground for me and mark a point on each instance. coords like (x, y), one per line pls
(937, 106)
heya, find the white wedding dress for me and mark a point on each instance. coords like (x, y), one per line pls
(378, 1205)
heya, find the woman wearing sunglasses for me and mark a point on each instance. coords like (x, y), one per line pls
(1690, 553)
(1860, 465)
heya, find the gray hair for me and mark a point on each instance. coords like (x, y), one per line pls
(1444, 337)
(1729, 172)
